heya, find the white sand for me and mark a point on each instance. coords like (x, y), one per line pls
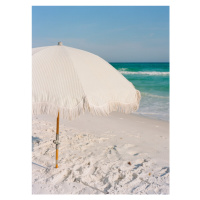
(119, 154)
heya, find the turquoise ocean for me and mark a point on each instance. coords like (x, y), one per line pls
(152, 80)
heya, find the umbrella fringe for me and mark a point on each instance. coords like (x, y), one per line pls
(85, 105)
(112, 106)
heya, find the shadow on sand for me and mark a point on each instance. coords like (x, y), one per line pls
(35, 140)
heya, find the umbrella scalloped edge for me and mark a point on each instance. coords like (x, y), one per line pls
(84, 105)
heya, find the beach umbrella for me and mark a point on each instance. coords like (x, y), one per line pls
(67, 82)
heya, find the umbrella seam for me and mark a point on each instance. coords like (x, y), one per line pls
(75, 70)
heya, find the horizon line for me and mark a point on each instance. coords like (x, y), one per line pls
(139, 62)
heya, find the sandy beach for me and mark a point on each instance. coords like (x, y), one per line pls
(118, 154)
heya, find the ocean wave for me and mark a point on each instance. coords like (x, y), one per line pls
(122, 69)
(159, 116)
(153, 95)
(146, 73)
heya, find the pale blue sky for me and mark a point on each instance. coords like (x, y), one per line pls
(116, 33)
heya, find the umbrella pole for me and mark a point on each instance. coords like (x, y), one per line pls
(57, 140)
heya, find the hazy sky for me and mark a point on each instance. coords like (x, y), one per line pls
(117, 34)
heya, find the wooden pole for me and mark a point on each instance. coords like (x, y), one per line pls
(57, 139)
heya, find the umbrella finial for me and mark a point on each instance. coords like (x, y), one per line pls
(59, 43)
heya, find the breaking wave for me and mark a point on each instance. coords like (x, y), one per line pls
(146, 73)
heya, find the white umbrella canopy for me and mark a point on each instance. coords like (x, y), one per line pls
(71, 81)
(67, 82)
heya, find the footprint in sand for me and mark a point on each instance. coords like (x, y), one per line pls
(120, 177)
(112, 154)
(164, 171)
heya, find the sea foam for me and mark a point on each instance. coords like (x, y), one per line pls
(146, 73)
